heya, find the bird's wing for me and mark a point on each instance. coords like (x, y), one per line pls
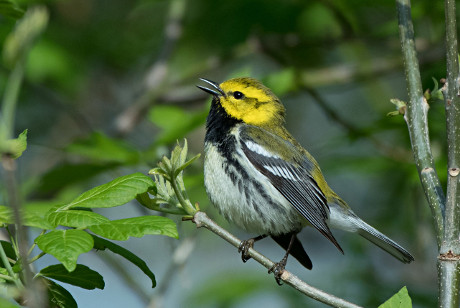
(292, 179)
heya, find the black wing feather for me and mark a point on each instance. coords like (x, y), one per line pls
(297, 185)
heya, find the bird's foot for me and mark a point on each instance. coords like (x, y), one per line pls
(277, 269)
(244, 248)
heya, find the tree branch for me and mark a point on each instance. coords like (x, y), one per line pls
(452, 104)
(449, 265)
(416, 119)
(202, 220)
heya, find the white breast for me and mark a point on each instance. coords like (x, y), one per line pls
(253, 204)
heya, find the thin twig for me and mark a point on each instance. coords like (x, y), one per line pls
(202, 220)
(416, 119)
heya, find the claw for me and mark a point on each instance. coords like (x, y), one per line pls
(277, 269)
(244, 248)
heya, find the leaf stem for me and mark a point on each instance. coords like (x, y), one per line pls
(13, 240)
(6, 277)
(41, 254)
(187, 206)
(146, 201)
(34, 244)
(155, 207)
(8, 267)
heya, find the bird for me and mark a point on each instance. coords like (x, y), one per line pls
(261, 179)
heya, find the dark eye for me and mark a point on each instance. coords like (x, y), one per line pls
(238, 95)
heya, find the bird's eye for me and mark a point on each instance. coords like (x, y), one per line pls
(238, 95)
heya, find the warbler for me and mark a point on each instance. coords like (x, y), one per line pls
(261, 179)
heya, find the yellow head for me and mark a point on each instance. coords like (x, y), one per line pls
(247, 99)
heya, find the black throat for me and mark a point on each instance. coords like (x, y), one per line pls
(218, 123)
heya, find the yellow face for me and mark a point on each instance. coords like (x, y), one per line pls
(249, 100)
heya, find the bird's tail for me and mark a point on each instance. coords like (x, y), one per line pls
(384, 242)
(297, 250)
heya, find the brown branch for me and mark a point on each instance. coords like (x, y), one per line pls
(202, 220)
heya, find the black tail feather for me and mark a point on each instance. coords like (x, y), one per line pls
(297, 250)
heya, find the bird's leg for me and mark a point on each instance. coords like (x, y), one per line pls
(245, 245)
(278, 268)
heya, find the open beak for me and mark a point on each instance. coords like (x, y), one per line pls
(217, 91)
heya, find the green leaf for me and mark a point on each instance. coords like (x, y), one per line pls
(75, 218)
(34, 215)
(102, 244)
(102, 148)
(400, 106)
(9, 251)
(435, 94)
(10, 9)
(15, 147)
(4, 272)
(39, 210)
(179, 156)
(122, 229)
(29, 216)
(175, 122)
(32, 220)
(187, 163)
(82, 276)
(115, 193)
(399, 300)
(59, 296)
(165, 193)
(65, 245)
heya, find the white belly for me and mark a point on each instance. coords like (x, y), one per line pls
(255, 206)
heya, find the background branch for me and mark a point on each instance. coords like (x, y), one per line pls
(157, 73)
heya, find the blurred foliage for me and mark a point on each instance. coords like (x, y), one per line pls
(109, 87)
